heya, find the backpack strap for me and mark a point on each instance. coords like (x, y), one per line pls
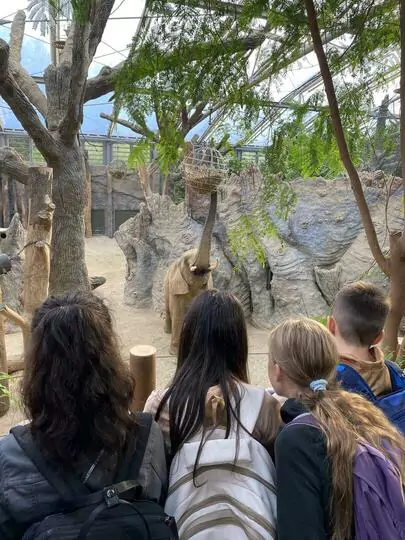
(352, 381)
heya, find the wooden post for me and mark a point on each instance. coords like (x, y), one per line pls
(109, 219)
(4, 398)
(142, 362)
(37, 252)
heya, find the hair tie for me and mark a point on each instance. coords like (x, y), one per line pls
(319, 385)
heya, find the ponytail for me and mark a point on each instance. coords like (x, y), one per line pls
(347, 419)
(306, 352)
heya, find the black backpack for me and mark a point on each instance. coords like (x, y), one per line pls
(113, 513)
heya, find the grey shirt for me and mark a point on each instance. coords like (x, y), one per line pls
(27, 497)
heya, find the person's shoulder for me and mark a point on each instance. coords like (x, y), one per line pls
(154, 399)
(299, 437)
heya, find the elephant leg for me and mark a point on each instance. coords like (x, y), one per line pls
(180, 306)
(168, 317)
(168, 322)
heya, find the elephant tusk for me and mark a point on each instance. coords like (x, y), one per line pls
(193, 268)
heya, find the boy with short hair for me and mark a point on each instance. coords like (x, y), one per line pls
(357, 322)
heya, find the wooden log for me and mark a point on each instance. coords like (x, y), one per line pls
(4, 397)
(142, 362)
(15, 318)
(15, 363)
(37, 252)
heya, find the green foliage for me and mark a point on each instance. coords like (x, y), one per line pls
(245, 236)
(63, 8)
(323, 319)
(194, 58)
(304, 145)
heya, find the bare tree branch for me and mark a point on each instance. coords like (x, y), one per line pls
(24, 80)
(17, 36)
(66, 54)
(103, 83)
(130, 125)
(72, 121)
(11, 163)
(22, 108)
(102, 11)
(197, 115)
(86, 38)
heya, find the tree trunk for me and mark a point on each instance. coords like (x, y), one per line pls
(144, 179)
(397, 293)
(397, 240)
(4, 198)
(68, 265)
(87, 212)
(4, 398)
(337, 128)
(37, 253)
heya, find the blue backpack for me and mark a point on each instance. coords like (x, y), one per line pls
(378, 492)
(393, 404)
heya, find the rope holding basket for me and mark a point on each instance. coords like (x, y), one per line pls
(203, 168)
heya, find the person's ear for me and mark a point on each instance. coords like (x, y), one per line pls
(278, 373)
(378, 339)
(331, 324)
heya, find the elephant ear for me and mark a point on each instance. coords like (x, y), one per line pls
(177, 284)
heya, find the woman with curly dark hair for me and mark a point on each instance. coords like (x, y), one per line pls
(77, 395)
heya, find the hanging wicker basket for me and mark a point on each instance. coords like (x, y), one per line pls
(203, 168)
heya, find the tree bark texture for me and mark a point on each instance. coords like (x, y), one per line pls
(4, 399)
(37, 252)
(397, 293)
(87, 213)
(68, 266)
(57, 138)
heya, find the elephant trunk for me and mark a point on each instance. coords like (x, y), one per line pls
(202, 261)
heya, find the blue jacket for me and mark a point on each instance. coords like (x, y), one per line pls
(26, 497)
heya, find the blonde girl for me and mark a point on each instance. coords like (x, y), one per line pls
(314, 463)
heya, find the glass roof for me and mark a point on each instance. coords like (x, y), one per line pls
(296, 84)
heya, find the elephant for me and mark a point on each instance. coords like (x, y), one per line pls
(188, 277)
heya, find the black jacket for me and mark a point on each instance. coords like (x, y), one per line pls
(304, 482)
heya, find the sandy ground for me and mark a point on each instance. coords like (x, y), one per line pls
(134, 326)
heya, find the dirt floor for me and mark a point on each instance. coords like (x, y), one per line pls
(134, 326)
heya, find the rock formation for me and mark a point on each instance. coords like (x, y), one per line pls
(317, 249)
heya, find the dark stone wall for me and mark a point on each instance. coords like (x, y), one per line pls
(127, 195)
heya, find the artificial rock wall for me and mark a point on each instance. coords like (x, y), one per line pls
(319, 247)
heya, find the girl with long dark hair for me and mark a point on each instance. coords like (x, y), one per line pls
(210, 401)
(77, 394)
